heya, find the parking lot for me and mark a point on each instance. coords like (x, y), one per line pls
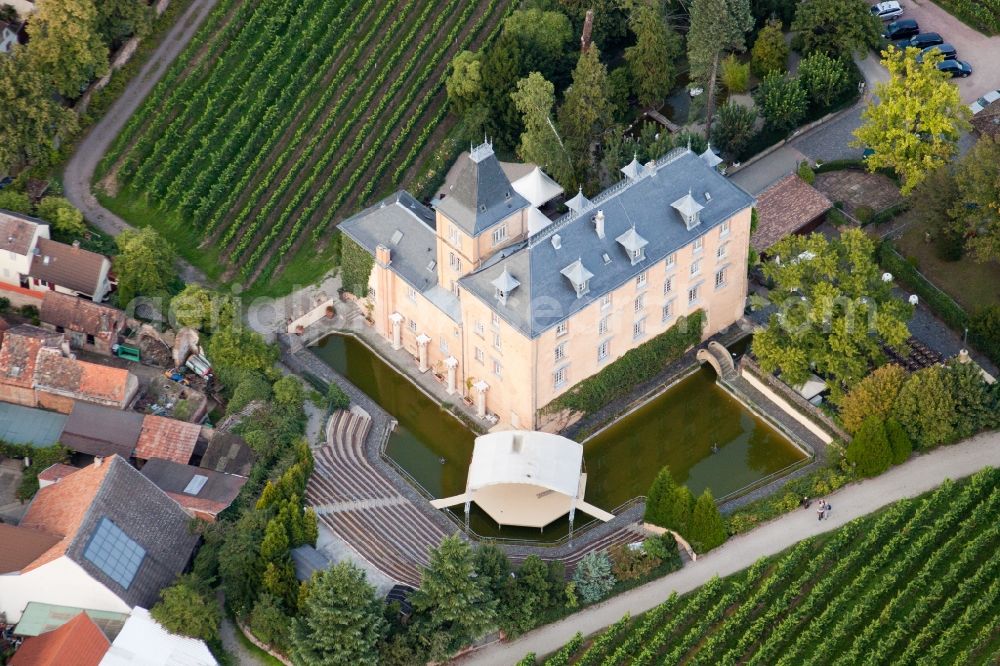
(980, 51)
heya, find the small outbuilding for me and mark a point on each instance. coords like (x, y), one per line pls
(790, 206)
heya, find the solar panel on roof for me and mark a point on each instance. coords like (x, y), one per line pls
(196, 483)
(115, 553)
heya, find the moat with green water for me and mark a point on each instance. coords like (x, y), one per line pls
(708, 439)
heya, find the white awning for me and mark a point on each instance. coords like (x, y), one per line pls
(579, 203)
(634, 169)
(537, 187)
(526, 457)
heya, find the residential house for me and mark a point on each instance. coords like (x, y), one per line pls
(29, 259)
(228, 453)
(36, 372)
(987, 120)
(104, 537)
(69, 269)
(101, 431)
(54, 474)
(512, 309)
(143, 641)
(39, 618)
(79, 642)
(167, 439)
(202, 493)
(88, 325)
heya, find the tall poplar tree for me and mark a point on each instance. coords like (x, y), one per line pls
(541, 142)
(66, 45)
(652, 61)
(586, 110)
(717, 26)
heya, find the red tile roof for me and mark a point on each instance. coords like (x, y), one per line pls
(20, 546)
(78, 642)
(59, 509)
(55, 372)
(19, 353)
(168, 439)
(784, 208)
(81, 315)
(56, 472)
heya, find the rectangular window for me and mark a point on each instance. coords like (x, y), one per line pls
(720, 278)
(640, 279)
(671, 259)
(722, 251)
(444, 346)
(606, 301)
(479, 355)
(560, 352)
(699, 244)
(724, 229)
(413, 325)
(602, 350)
(668, 311)
(453, 234)
(602, 326)
(639, 328)
(640, 302)
(693, 294)
(479, 328)
(695, 266)
(562, 328)
(411, 293)
(500, 234)
(496, 341)
(496, 319)
(559, 377)
(497, 368)
(668, 285)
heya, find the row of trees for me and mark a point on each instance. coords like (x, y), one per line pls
(671, 505)
(464, 592)
(69, 43)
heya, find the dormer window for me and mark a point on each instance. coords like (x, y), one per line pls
(689, 209)
(634, 244)
(503, 285)
(579, 277)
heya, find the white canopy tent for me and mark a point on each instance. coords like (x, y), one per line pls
(525, 478)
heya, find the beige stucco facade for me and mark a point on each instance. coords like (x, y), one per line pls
(524, 374)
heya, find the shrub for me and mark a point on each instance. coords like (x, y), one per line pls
(735, 74)
(629, 563)
(782, 101)
(30, 312)
(593, 576)
(926, 408)
(869, 451)
(669, 504)
(253, 386)
(806, 173)
(899, 441)
(707, 530)
(824, 79)
(984, 331)
(269, 622)
(733, 127)
(949, 246)
(186, 609)
(288, 391)
(634, 367)
(864, 214)
(336, 398)
(17, 202)
(769, 52)
(872, 396)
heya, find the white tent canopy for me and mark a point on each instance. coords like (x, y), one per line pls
(537, 187)
(526, 457)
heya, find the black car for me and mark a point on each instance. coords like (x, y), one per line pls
(958, 68)
(921, 41)
(901, 30)
(948, 52)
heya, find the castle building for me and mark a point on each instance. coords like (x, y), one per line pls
(513, 308)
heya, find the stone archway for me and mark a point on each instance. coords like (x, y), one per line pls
(719, 358)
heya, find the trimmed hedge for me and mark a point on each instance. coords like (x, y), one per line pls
(890, 212)
(840, 165)
(636, 366)
(948, 310)
(356, 266)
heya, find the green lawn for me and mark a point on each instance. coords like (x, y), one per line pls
(916, 583)
(972, 284)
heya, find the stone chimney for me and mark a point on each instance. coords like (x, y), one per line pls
(383, 256)
(556, 241)
(599, 224)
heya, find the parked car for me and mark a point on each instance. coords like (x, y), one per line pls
(957, 68)
(948, 52)
(901, 30)
(921, 41)
(984, 101)
(887, 11)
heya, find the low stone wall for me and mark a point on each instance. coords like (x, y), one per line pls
(792, 402)
(308, 319)
(263, 646)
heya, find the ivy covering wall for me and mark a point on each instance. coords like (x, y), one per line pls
(617, 379)
(355, 266)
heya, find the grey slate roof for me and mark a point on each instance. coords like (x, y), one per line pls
(546, 297)
(151, 519)
(481, 195)
(415, 249)
(101, 431)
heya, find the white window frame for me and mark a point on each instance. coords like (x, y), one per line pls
(560, 352)
(602, 326)
(497, 368)
(606, 301)
(562, 328)
(497, 342)
(640, 303)
(668, 285)
(694, 293)
(721, 278)
(696, 267)
(411, 294)
(603, 350)
(668, 310)
(639, 328)
(480, 356)
(699, 244)
(495, 320)
(722, 251)
(724, 229)
(641, 279)
(500, 234)
(671, 260)
(559, 377)
(480, 329)
(453, 234)
(412, 325)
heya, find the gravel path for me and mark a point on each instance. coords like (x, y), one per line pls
(917, 476)
(80, 170)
